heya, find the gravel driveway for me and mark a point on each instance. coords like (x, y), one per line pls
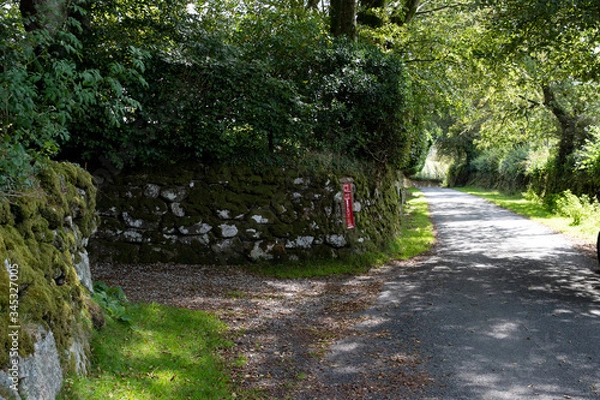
(501, 309)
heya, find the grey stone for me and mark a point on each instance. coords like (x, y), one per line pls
(171, 238)
(132, 222)
(260, 219)
(336, 240)
(6, 386)
(223, 246)
(133, 236)
(79, 354)
(257, 253)
(168, 231)
(195, 229)
(253, 233)
(228, 231)
(174, 195)
(40, 374)
(224, 214)
(83, 270)
(177, 210)
(302, 242)
(151, 190)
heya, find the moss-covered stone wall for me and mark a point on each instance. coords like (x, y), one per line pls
(43, 257)
(195, 214)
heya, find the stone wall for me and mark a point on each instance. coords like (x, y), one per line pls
(198, 215)
(46, 282)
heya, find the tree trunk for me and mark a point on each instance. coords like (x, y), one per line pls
(312, 5)
(408, 12)
(367, 16)
(43, 14)
(567, 124)
(342, 14)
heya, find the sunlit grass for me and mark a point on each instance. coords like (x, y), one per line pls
(587, 231)
(167, 353)
(417, 231)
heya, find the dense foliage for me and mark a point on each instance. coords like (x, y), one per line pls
(267, 87)
(144, 82)
(507, 89)
(43, 90)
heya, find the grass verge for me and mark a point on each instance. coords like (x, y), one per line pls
(536, 212)
(416, 237)
(164, 353)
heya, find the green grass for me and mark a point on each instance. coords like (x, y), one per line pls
(417, 235)
(415, 238)
(166, 353)
(536, 211)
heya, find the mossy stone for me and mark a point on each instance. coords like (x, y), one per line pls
(280, 229)
(6, 216)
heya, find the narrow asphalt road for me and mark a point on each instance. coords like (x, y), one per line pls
(503, 308)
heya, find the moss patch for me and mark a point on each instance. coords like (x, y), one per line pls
(40, 231)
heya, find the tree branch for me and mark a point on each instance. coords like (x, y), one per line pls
(440, 8)
(533, 102)
(423, 60)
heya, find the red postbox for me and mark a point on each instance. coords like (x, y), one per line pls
(348, 205)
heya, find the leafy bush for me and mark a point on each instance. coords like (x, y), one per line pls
(579, 209)
(42, 90)
(112, 300)
(364, 105)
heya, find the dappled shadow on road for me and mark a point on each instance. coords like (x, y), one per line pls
(500, 328)
(502, 309)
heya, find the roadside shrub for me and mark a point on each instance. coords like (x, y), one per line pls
(579, 209)
(363, 102)
(588, 159)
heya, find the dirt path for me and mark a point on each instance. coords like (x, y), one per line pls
(501, 309)
(282, 328)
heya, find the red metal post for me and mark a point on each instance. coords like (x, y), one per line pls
(348, 205)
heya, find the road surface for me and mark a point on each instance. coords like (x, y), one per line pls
(503, 308)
